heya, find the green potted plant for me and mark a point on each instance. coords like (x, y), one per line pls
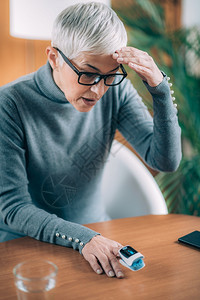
(177, 53)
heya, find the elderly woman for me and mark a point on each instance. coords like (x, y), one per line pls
(57, 126)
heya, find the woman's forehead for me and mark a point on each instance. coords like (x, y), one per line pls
(97, 63)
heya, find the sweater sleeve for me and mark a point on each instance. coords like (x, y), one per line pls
(16, 206)
(157, 140)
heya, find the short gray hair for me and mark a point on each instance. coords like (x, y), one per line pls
(91, 27)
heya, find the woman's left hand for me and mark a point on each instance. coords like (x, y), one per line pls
(141, 63)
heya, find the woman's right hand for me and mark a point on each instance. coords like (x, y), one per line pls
(102, 253)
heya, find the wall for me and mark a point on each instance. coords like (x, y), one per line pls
(17, 56)
(191, 13)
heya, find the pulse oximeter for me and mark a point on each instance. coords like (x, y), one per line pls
(131, 258)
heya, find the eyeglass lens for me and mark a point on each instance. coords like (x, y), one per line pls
(90, 78)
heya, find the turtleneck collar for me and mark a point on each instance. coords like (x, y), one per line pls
(46, 84)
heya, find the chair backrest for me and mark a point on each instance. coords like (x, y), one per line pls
(128, 188)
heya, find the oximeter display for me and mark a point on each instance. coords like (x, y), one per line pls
(128, 251)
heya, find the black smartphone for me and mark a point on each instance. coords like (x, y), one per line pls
(192, 239)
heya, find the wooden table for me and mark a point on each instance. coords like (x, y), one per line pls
(172, 270)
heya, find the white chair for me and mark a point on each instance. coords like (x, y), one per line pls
(128, 188)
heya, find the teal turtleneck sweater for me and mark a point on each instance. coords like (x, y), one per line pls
(52, 155)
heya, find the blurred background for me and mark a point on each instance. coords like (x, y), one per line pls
(169, 30)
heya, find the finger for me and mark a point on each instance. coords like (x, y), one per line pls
(94, 264)
(116, 267)
(119, 54)
(140, 69)
(115, 55)
(127, 56)
(105, 263)
(147, 74)
(135, 60)
(115, 250)
(132, 52)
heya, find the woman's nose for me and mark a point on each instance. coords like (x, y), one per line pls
(98, 88)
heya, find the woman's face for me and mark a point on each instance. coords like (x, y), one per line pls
(83, 98)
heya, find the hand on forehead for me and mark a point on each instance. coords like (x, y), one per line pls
(129, 52)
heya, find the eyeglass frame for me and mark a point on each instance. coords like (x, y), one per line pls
(100, 76)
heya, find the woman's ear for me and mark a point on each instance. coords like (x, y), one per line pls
(52, 55)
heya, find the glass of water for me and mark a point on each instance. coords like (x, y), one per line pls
(35, 279)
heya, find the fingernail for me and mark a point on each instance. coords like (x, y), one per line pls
(111, 274)
(120, 274)
(120, 59)
(99, 271)
(115, 55)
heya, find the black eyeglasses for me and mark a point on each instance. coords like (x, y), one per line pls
(87, 78)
